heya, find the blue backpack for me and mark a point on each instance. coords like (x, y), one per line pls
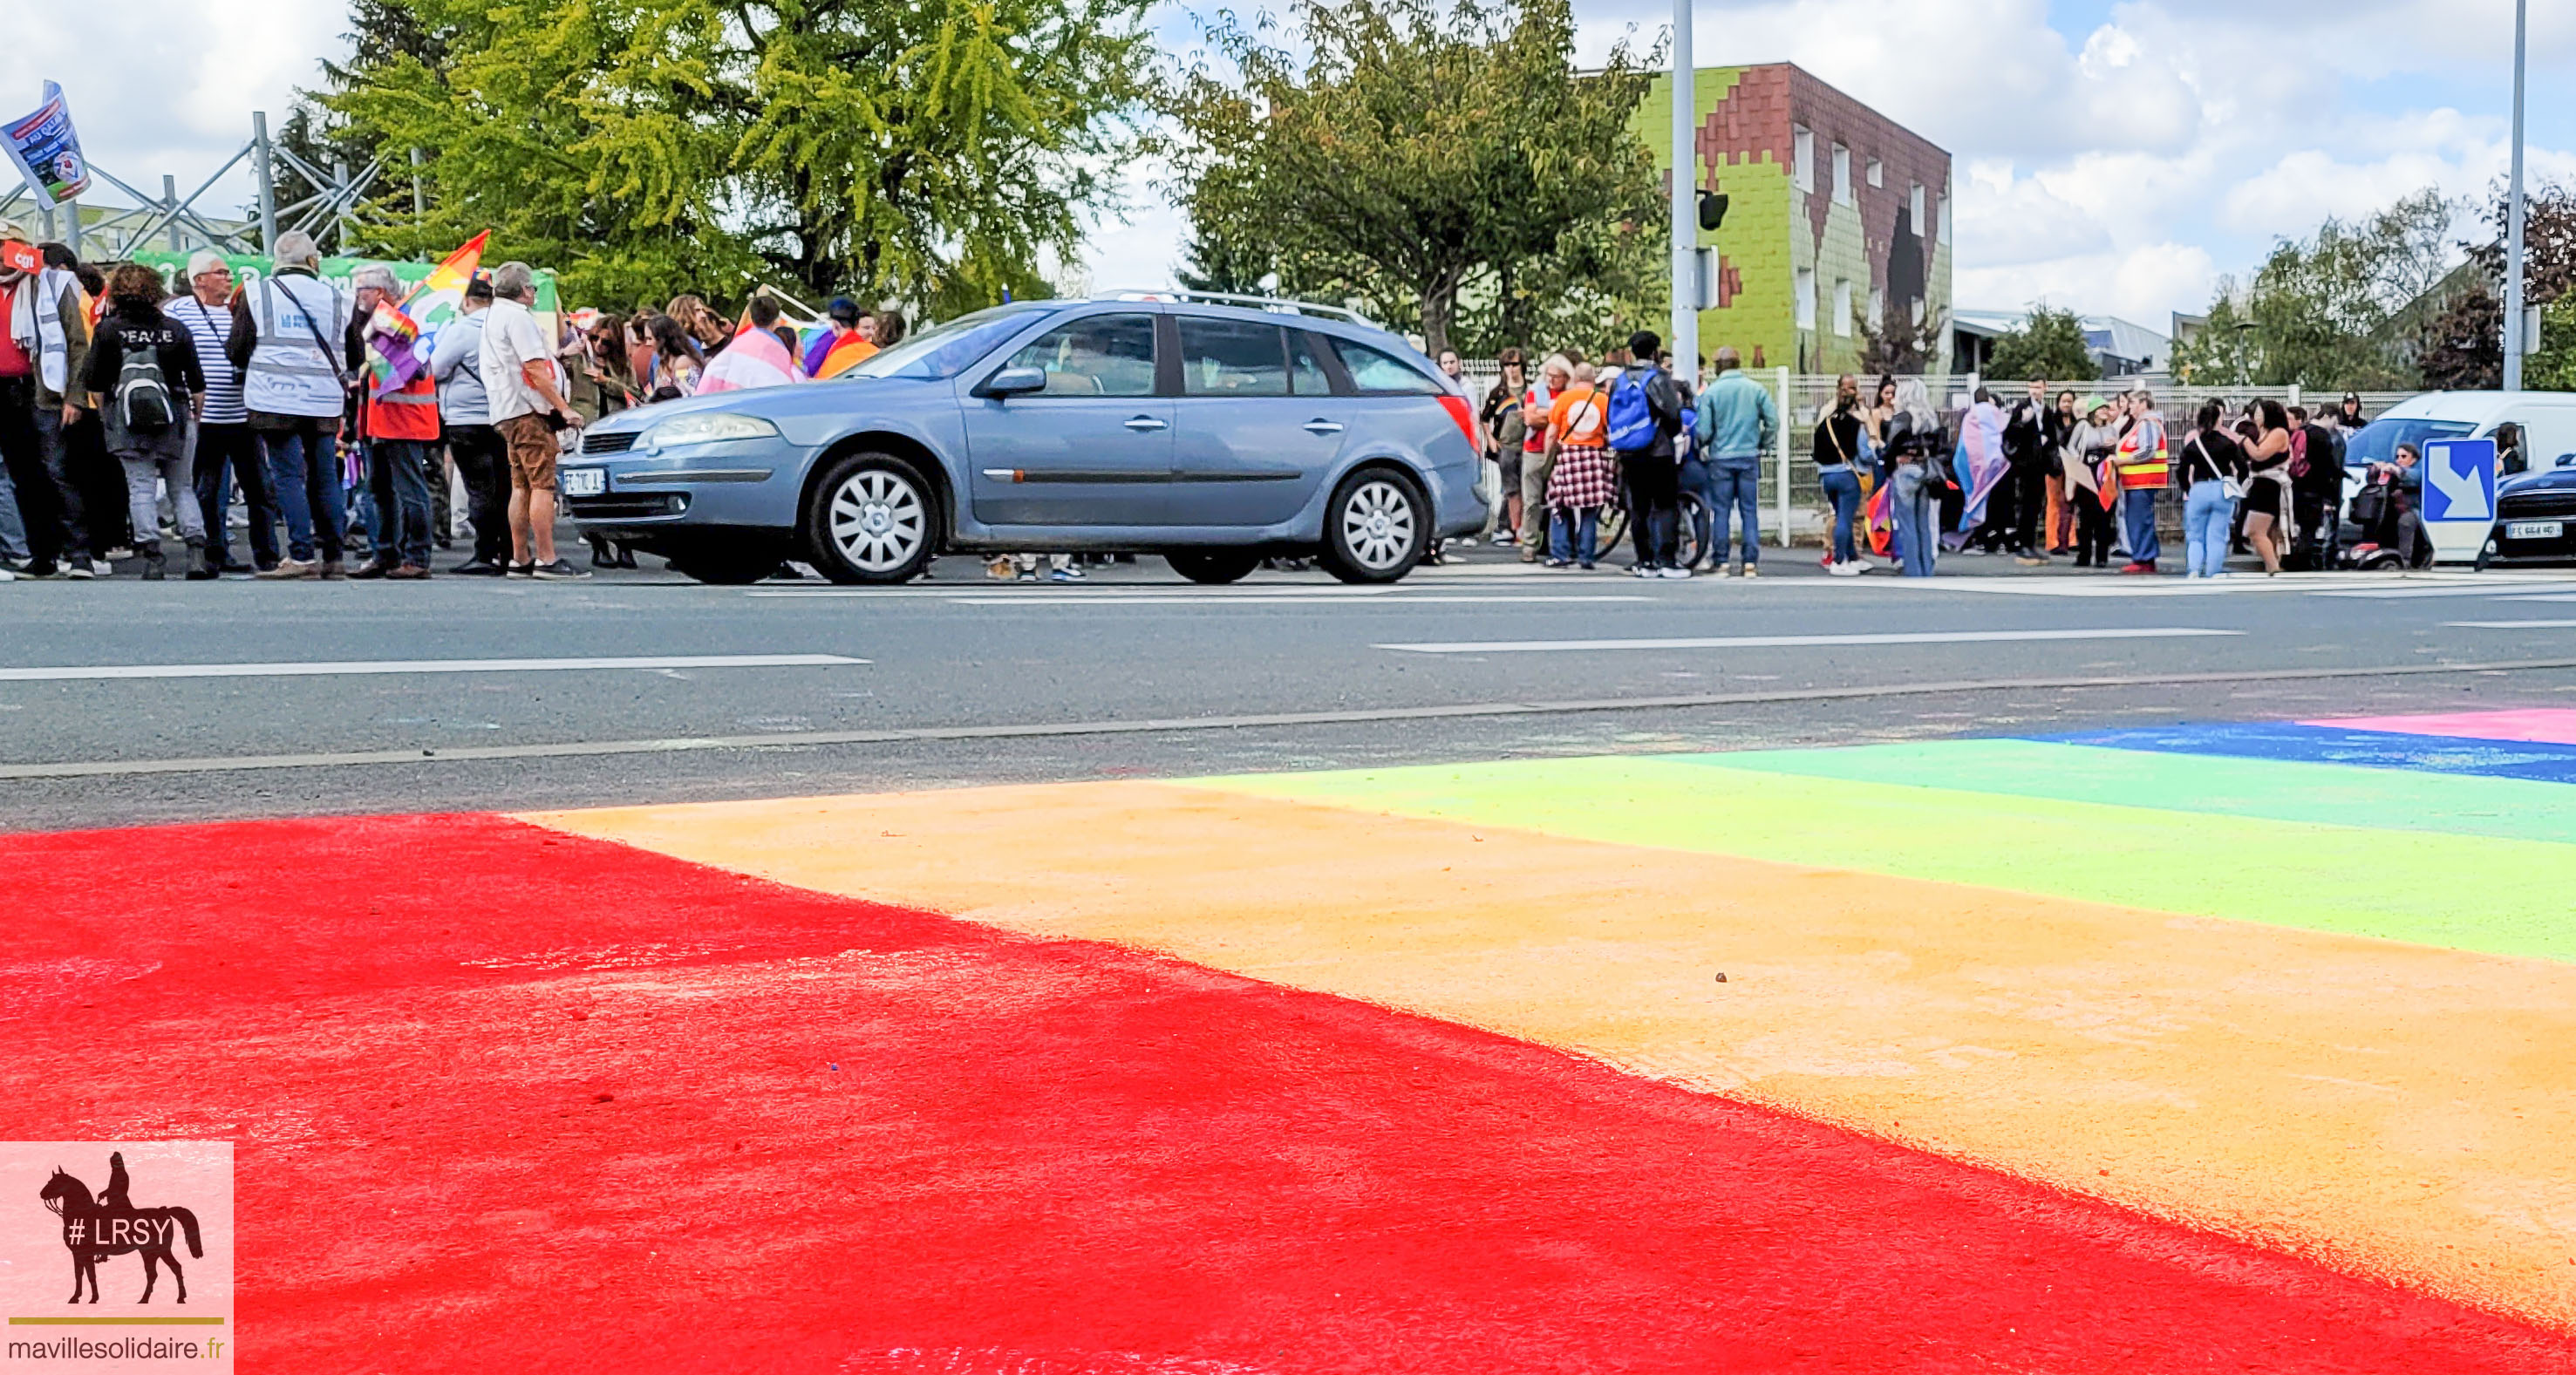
(1632, 421)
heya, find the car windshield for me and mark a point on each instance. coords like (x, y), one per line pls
(946, 350)
(2377, 441)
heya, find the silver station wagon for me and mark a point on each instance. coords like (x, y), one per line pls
(1212, 434)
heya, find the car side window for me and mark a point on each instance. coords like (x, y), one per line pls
(1097, 355)
(1379, 372)
(1231, 358)
(1306, 375)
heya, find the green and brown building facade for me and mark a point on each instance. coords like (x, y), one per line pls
(1838, 217)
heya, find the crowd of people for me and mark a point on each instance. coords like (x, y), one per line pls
(131, 415)
(2038, 479)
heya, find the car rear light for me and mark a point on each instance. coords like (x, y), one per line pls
(1458, 411)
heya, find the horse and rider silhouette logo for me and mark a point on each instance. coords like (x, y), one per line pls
(108, 1224)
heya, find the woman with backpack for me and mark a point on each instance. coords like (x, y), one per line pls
(143, 374)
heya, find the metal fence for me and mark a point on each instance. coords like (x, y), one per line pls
(1793, 499)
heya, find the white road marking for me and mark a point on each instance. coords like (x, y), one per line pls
(330, 668)
(1223, 599)
(2511, 625)
(1924, 637)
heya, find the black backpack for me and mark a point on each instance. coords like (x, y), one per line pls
(143, 401)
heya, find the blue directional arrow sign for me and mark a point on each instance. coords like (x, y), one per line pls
(2460, 480)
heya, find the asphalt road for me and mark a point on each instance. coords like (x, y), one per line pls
(123, 702)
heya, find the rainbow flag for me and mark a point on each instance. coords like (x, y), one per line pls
(845, 353)
(393, 352)
(449, 277)
(1878, 521)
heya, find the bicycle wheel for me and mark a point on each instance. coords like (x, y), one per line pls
(1686, 537)
(1614, 523)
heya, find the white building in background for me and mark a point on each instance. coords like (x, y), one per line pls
(2122, 348)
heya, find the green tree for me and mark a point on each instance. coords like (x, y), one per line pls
(2049, 345)
(2223, 353)
(2461, 345)
(924, 149)
(1434, 161)
(2329, 311)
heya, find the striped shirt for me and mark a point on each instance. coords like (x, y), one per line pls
(210, 326)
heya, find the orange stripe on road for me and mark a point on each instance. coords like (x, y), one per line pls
(2389, 1109)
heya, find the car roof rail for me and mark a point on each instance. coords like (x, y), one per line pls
(1229, 298)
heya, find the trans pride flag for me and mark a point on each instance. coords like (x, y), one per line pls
(1980, 467)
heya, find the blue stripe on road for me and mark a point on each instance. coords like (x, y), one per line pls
(2544, 763)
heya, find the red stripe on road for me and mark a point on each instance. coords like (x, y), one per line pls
(507, 1099)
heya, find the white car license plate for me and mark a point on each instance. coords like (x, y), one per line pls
(2535, 529)
(585, 482)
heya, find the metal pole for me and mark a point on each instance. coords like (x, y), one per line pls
(419, 202)
(1782, 445)
(72, 225)
(1685, 336)
(170, 207)
(2513, 327)
(267, 175)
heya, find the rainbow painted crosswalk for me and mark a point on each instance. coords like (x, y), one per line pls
(2230, 1046)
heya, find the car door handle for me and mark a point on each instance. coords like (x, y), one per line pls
(1320, 425)
(1146, 424)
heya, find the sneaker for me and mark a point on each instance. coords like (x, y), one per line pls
(1586, 565)
(8, 575)
(1064, 575)
(477, 568)
(1642, 571)
(1563, 563)
(1673, 573)
(82, 569)
(2137, 568)
(1752, 572)
(522, 570)
(370, 572)
(1465, 541)
(1843, 570)
(558, 571)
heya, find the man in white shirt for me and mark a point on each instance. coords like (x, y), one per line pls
(527, 406)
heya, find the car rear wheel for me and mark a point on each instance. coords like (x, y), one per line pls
(1215, 567)
(873, 519)
(1376, 528)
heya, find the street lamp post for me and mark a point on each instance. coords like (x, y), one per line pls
(1685, 335)
(2513, 324)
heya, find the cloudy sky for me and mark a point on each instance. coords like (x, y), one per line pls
(2112, 157)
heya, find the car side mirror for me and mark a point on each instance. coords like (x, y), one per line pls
(2565, 461)
(1010, 382)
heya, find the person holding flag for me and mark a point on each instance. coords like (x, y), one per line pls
(850, 341)
(399, 424)
(755, 358)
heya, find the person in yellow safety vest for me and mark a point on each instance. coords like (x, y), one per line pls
(2144, 467)
(289, 340)
(400, 432)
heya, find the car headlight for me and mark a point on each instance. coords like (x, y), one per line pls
(708, 429)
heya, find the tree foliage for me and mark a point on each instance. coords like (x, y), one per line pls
(2461, 346)
(921, 149)
(2331, 310)
(2048, 345)
(1434, 161)
(2222, 355)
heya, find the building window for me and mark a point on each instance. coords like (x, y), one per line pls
(1804, 286)
(1877, 175)
(1914, 208)
(1842, 174)
(1843, 308)
(1945, 215)
(1877, 308)
(1802, 158)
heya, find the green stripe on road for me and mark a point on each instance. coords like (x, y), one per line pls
(2470, 892)
(2274, 789)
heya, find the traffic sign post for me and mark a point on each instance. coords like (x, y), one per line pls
(2459, 496)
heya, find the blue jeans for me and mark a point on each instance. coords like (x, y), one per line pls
(1918, 519)
(2139, 509)
(2206, 511)
(1563, 538)
(399, 477)
(1735, 487)
(1842, 488)
(304, 468)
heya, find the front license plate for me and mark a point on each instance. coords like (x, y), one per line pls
(2535, 529)
(585, 482)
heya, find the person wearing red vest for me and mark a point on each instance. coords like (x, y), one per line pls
(401, 433)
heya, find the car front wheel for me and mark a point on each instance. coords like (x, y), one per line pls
(873, 519)
(1376, 528)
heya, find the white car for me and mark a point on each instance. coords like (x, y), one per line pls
(2548, 421)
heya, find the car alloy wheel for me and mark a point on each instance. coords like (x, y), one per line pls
(877, 520)
(1378, 520)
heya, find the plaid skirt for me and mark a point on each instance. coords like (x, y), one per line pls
(1583, 477)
